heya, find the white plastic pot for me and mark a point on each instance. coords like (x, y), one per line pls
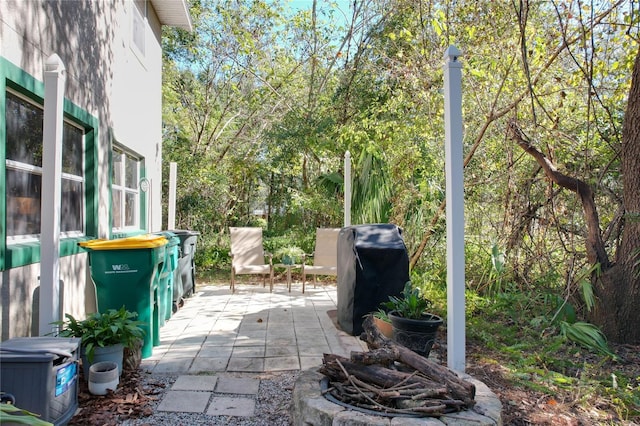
(103, 376)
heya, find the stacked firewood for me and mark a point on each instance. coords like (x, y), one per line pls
(392, 379)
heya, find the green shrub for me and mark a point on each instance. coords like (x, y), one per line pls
(103, 329)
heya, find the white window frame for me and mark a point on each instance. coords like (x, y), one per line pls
(37, 170)
(121, 189)
(139, 26)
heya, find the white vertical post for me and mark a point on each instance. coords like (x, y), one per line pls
(455, 210)
(347, 188)
(173, 173)
(54, 84)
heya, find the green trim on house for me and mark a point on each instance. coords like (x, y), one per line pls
(109, 183)
(20, 81)
(17, 79)
(20, 254)
(3, 167)
(27, 253)
(90, 125)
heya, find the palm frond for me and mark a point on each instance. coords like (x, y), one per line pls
(586, 335)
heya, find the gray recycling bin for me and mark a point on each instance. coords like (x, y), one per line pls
(42, 375)
(373, 264)
(186, 265)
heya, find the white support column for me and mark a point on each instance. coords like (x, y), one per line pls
(455, 210)
(347, 188)
(173, 173)
(54, 84)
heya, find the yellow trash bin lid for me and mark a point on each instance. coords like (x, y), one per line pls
(136, 242)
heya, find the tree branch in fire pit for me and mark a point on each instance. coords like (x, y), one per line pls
(393, 379)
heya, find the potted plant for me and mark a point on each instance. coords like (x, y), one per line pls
(383, 322)
(104, 335)
(289, 255)
(413, 327)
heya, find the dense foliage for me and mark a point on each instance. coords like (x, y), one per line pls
(263, 100)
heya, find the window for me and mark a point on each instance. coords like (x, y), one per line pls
(138, 27)
(23, 162)
(125, 195)
(21, 126)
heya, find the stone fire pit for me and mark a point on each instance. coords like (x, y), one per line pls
(311, 408)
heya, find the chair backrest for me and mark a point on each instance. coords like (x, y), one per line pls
(246, 246)
(326, 251)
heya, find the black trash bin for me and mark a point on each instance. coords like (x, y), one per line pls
(373, 264)
(186, 265)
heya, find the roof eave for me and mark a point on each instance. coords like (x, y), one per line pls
(174, 13)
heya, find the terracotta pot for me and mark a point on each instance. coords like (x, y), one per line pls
(132, 357)
(385, 327)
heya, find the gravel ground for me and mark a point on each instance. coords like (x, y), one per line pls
(272, 404)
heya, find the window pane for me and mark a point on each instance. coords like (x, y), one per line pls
(130, 209)
(117, 179)
(24, 131)
(116, 209)
(24, 128)
(23, 202)
(71, 209)
(126, 199)
(139, 27)
(72, 151)
(131, 165)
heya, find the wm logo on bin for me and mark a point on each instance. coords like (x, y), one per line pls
(120, 267)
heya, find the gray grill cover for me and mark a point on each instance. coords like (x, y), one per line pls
(373, 264)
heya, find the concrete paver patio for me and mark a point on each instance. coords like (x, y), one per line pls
(219, 341)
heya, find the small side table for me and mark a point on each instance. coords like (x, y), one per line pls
(288, 267)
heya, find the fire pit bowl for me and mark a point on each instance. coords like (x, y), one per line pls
(311, 408)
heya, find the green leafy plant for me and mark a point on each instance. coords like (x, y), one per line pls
(289, 255)
(497, 270)
(11, 414)
(103, 329)
(411, 304)
(586, 335)
(381, 314)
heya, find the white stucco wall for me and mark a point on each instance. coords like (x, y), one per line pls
(137, 99)
(106, 78)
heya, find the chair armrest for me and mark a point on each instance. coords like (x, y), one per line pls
(305, 255)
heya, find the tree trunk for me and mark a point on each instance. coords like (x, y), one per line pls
(617, 288)
(618, 291)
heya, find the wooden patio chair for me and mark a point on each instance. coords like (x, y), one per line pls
(325, 255)
(248, 255)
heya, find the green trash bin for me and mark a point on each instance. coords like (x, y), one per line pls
(167, 280)
(186, 264)
(125, 272)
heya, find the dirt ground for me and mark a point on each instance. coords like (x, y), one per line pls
(570, 406)
(139, 392)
